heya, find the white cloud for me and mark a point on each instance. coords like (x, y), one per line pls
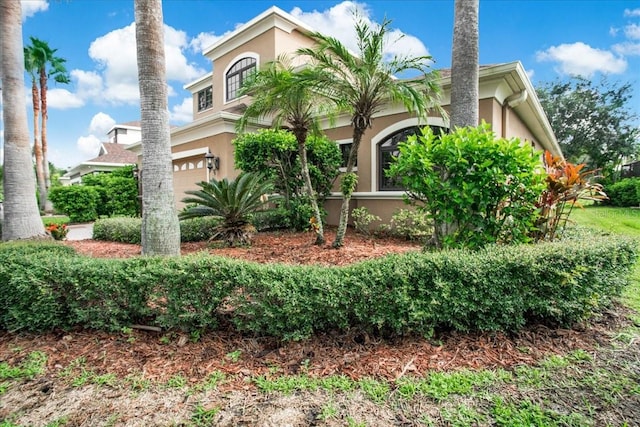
(632, 31)
(101, 123)
(89, 84)
(203, 40)
(120, 72)
(627, 49)
(62, 99)
(338, 21)
(89, 146)
(183, 113)
(613, 31)
(31, 7)
(632, 12)
(530, 73)
(581, 59)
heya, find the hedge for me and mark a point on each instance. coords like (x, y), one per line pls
(497, 288)
(128, 230)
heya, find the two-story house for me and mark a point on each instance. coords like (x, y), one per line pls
(507, 101)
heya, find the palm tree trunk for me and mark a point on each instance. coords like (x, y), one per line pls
(45, 147)
(160, 227)
(21, 216)
(37, 147)
(464, 65)
(358, 131)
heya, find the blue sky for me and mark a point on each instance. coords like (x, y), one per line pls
(552, 39)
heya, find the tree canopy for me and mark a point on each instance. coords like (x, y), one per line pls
(592, 121)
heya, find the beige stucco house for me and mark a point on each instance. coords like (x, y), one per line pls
(507, 101)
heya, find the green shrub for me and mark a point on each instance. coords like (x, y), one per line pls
(127, 230)
(43, 287)
(274, 154)
(198, 229)
(362, 220)
(123, 230)
(476, 188)
(625, 192)
(79, 202)
(411, 225)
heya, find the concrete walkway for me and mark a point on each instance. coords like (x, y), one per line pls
(80, 231)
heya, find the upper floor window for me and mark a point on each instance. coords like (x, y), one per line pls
(388, 149)
(237, 74)
(205, 98)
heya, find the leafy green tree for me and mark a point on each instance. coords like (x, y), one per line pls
(79, 202)
(234, 202)
(280, 94)
(160, 226)
(363, 84)
(42, 65)
(477, 189)
(593, 122)
(274, 154)
(21, 215)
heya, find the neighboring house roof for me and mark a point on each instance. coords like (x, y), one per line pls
(111, 156)
(114, 153)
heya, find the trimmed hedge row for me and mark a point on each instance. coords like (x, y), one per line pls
(128, 230)
(498, 288)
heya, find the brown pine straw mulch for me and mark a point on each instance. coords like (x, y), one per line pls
(162, 355)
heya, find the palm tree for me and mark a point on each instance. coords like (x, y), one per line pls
(234, 202)
(279, 93)
(464, 64)
(363, 85)
(21, 215)
(40, 61)
(160, 226)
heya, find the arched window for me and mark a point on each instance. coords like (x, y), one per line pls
(388, 148)
(237, 74)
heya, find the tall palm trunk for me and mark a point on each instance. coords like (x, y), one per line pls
(358, 132)
(21, 216)
(464, 65)
(160, 227)
(43, 139)
(37, 147)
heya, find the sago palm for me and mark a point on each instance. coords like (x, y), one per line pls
(280, 94)
(363, 85)
(234, 202)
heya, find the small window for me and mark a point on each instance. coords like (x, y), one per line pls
(388, 149)
(345, 148)
(237, 74)
(205, 98)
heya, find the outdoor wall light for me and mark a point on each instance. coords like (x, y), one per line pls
(213, 162)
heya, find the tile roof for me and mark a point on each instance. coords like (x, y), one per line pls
(115, 153)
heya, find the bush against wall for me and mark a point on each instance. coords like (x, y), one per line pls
(274, 154)
(477, 189)
(43, 287)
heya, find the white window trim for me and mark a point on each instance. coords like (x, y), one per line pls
(384, 133)
(226, 70)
